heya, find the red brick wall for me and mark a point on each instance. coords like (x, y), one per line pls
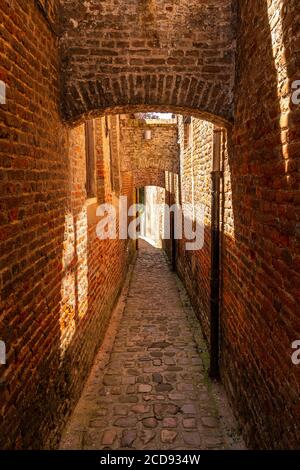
(261, 253)
(50, 9)
(260, 243)
(260, 218)
(196, 165)
(34, 187)
(58, 282)
(148, 52)
(148, 160)
(149, 177)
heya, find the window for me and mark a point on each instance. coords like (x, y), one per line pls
(112, 131)
(90, 159)
(108, 136)
(188, 131)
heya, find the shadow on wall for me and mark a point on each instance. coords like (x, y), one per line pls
(91, 282)
(194, 270)
(260, 318)
(32, 379)
(55, 314)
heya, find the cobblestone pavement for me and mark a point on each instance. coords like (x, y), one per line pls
(148, 388)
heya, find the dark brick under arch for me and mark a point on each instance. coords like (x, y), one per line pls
(210, 101)
(150, 108)
(175, 54)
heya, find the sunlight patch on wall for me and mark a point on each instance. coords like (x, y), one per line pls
(74, 285)
(275, 12)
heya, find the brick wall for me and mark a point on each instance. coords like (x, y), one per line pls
(148, 160)
(34, 187)
(58, 282)
(196, 165)
(260, 218)
(178, 54)
(261, 253)
(50, 10)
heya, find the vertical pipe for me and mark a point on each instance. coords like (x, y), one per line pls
(173, 242)
(215, 257)
(137, 202)
(174, 267)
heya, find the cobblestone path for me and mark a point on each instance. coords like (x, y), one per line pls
(148, 388)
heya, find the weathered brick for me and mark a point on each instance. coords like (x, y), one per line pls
(161, 43)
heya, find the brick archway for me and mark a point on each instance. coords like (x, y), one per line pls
(178, 55)
(75, 108)
(149, 108)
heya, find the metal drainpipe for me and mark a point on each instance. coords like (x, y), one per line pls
(137, 201)
(215, 257)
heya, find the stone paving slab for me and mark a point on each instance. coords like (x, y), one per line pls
(149, 389)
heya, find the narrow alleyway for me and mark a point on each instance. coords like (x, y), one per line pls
(152, 392)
